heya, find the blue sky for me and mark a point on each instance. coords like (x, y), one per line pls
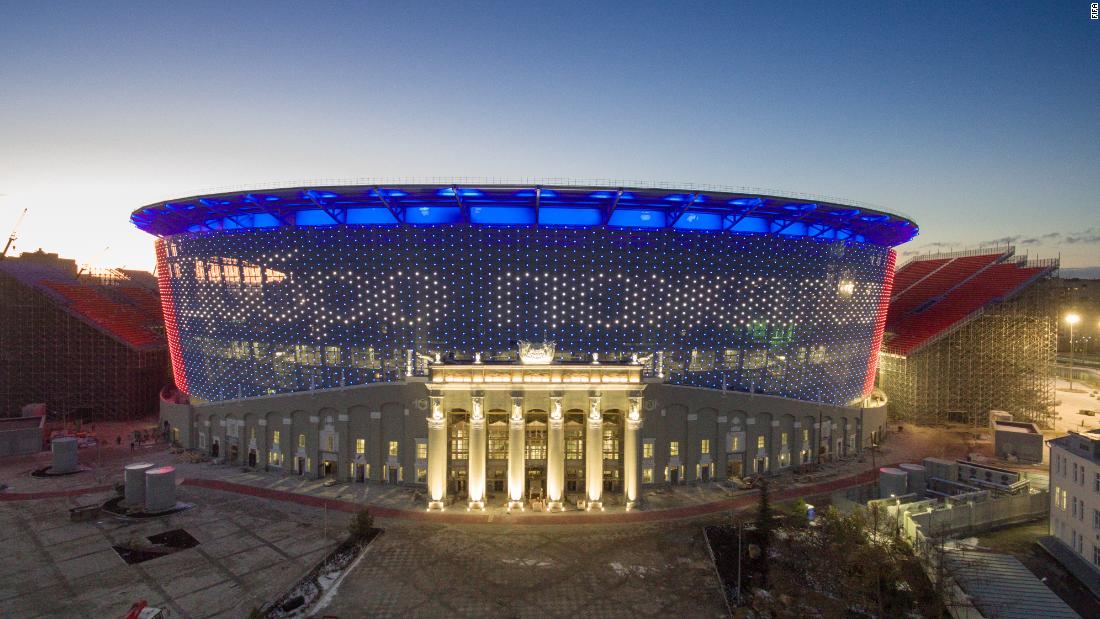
(979, 120)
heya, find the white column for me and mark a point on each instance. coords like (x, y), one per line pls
(516, 463)
(594, 454)
(555, 455)
(437, 454)
(476, 477)
(630, 451)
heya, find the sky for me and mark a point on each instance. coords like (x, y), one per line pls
(979, 120)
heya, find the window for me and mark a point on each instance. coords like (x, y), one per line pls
(176, 435)
(1074, 503)
(202, 441)
(498, 443)
(1096, 483)
(393, 449)
(301, 441)
(330, 444)
(1096, 518)
(735, 442)
(421, 450)
(574, 445)
(421, 476)
(275, 437)
(1074, 471)
(535, 446)
(360, 446)
(1095, 554)
(610, 443)
(252, 433)
(760, 442)
(647, 452)
(805, 436)
(674, 448)
(783, 439)
(647, 475)
(704, 446)
(460, 444)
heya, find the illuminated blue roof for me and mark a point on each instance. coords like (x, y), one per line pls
(525, 206)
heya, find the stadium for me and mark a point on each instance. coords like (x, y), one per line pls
(325, 308)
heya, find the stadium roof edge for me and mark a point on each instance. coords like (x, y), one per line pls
(522, 204)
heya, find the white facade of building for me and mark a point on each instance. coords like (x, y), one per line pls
(1075, 493)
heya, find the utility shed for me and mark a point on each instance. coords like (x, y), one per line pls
(1017, 439)
(1000, 586)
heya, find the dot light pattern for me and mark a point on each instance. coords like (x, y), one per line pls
(296, 308)
(880, 323)
(168, 307)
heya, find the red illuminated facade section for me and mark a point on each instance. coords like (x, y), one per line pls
(880, 322)
(168, 304)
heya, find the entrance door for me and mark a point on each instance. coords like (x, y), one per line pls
(251, 457)
(360, 473)
(214, 449)
(328, 468)
(733, 469)
(704, 472)
(535, 484)
(233, 454)
(301, 465)
(393, 474)
(674, 475)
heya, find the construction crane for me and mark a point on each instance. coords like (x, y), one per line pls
(13, 235)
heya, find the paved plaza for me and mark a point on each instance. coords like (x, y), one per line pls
(261, 531)
(427, 570)
(250, 551)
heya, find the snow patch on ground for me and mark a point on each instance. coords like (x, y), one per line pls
(330, 583)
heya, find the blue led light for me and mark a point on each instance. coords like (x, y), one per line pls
(370, 216)
(313, 217)
(631, 218)
(502, 215)
(433, 215)
(554, 216)
(699, 221)
(439, 205)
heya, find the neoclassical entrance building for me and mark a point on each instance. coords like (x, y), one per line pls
(534, 431)
(538, 435)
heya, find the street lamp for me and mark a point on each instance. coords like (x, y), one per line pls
(1071, 319)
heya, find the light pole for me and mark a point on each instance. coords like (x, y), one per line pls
(1071, 319)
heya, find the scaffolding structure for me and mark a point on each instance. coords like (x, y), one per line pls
(998, 358)
(79, 363)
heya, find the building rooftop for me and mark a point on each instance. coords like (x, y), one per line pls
(1016, 426)
(524, 205)
(1086, 445)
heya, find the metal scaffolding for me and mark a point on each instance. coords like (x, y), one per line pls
(51, 354)
(1001, 359)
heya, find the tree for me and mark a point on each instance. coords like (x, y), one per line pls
(361, 525)
(765, 530)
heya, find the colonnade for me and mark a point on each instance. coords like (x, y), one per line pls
(438, 455)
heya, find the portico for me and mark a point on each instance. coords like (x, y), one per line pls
(534, 434)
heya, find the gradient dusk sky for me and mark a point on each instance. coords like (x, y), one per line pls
(979, 120)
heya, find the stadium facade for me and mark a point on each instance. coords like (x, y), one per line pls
(272, 294)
